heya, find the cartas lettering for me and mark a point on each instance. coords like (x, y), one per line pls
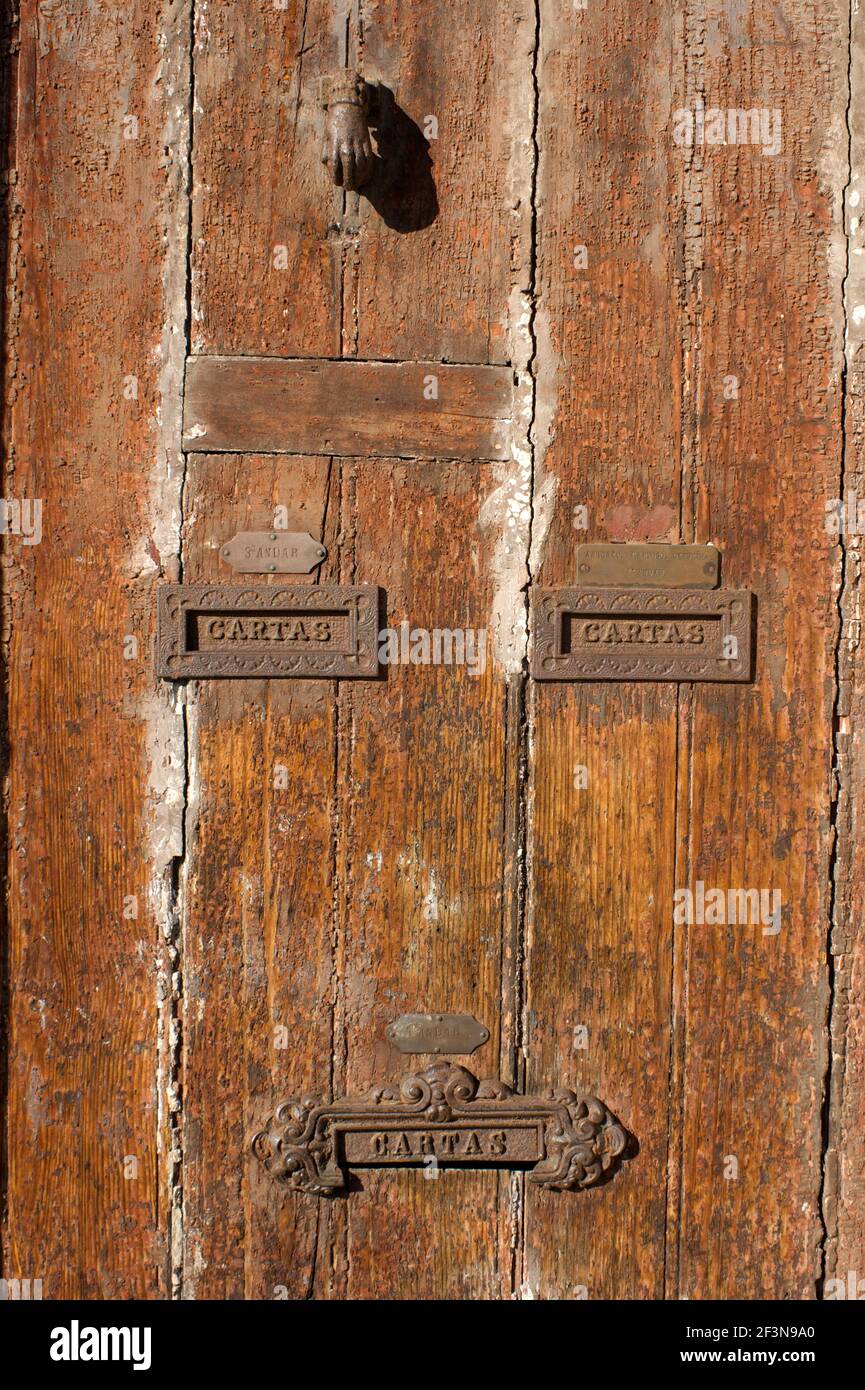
(448, 1143)
(616, 631)
(228, 630)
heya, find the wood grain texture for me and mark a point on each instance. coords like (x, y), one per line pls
(93, 197)
(765, 305)
(266, 268)
(258, 897)
(220, 896)
(383, 882)
(406, 409)
(422, 850)
(602, 777)
(433, 267)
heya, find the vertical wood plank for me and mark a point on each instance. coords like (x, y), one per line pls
(257, 909)
(766, 309)
(266, 273)
(426, 853)
(438, 217)
(97, 150)
(422, 848)
(602, 779)
(403, 872)
(266, 278)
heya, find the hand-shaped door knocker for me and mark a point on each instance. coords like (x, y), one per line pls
(348, 152)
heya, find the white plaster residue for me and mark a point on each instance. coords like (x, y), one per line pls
(162, 712)
(506, 513)
(544, 510)
(425, 886)
(834, 175)
(156, 551)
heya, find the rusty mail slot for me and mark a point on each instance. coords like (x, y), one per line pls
(447, 1116)
(224, 632)
(600, 634)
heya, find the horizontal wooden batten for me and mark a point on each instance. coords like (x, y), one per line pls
(349, 408)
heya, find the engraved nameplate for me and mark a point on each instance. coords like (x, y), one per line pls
(442, 1115)
(454, 1033)
(597, 634)
(224, 632)
(625, 565)
(273, 552)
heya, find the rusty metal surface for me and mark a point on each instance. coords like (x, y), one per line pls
(246, 631)
(605, 634)
(639, 566)
(273, 552)
(455, 1033)
(443, 1115)
(348, 102)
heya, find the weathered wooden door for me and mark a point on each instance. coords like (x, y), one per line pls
(602, 286)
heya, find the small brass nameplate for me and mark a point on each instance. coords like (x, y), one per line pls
(458, 1034)
(604, 634)
(649, 566)
(262, 631)
(273, 552)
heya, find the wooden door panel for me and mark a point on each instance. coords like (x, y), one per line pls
(94, 203)
(258, 889)
(603, 775)
(265, 271)
(396, 885)
(429, 1239)
(546, 320)
(765, 308)
(423, 853)
(442, 239)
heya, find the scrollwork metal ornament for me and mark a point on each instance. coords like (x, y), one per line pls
(446, 1115)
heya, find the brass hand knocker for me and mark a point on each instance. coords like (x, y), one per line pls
(346, 98)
